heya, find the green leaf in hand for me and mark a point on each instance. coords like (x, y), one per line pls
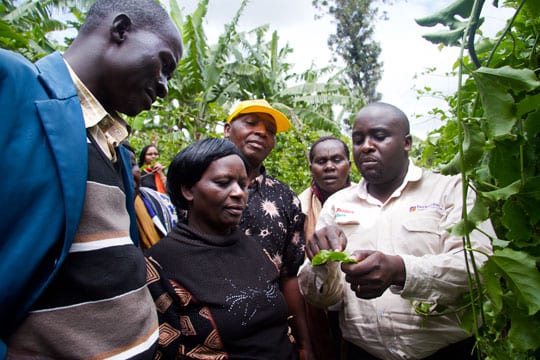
(323, 256)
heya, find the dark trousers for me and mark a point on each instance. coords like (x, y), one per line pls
(462, 350)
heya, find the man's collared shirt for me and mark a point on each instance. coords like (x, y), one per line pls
(107, 130)
(412, 223)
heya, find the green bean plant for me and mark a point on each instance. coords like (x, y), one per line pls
(492, 138)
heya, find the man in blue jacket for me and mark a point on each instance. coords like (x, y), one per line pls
(73, 281)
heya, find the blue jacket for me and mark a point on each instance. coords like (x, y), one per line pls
(45, 154)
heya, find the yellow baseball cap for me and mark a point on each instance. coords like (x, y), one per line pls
(261, 106)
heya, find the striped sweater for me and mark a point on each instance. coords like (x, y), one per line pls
(98, 306)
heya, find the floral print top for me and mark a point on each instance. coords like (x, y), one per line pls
(274, 218)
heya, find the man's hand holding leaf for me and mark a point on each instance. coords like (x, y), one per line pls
(328, 238)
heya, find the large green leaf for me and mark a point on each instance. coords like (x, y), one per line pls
(447, 16)
(176, 14)
(446, 37)
(523, 331)
(503, 193)
(532, 123)
(532, 188)
(516, 220)
(505, 161)
(510, 78)
(473, 149)
(462, 228)
(495, 87)
(521, 274)
(480, 211)
(492, 283)
(528, 105)
(534, 8)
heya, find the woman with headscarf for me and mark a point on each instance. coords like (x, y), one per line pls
(330, 167)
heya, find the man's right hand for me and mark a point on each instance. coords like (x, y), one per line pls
(328, 238)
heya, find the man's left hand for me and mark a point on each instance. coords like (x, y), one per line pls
(374, 273)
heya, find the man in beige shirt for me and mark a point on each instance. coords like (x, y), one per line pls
(395, 223)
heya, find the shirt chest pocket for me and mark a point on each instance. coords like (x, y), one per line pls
(422, 235)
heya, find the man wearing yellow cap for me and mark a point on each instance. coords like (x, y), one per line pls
(273, 215)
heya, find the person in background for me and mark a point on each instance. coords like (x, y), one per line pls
(330, 169)
(152, 172)
(216, 290)
(273, 216)
(73, 282)
(156, 215)
(395, 223)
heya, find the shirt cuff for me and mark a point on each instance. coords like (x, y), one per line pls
(321, 285)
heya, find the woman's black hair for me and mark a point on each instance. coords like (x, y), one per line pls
(327, 138)
(142, 155)
(189, 165)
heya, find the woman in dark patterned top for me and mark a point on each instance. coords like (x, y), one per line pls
(216, 291)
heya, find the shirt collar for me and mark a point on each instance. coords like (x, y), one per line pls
(113, 126)
(414, 173)
(258, 181)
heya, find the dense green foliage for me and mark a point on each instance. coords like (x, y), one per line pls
(492, 138)
(18, 30)
(27, 27)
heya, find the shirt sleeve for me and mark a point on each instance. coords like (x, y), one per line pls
(321, 285)
(442, 278)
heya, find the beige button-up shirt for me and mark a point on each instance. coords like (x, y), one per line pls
(412, 223)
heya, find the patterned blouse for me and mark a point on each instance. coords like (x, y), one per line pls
(274, 218)
(217, 298)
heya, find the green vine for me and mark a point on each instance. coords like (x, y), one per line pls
(496, 148)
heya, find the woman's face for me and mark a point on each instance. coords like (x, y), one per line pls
(152, 153)
(217, 200)
(330, 166)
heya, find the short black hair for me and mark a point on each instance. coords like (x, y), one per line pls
(394, 110)
(144, 14)
(189, 165)
(327, 138)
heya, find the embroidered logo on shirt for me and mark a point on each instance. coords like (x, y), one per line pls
(416, 208)
(345, 216)
(343, 212)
